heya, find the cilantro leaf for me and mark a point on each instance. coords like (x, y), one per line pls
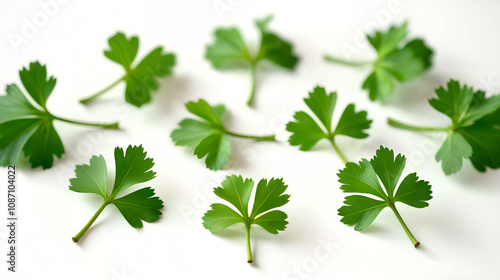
(141, 79)
(274, 48)
(27, 126)
(453, 102)
(268, 195)
(306, 132)
(43, 145)
(387, 43)
(396, 61)
(132, 167)
(474, 131)
(123, 50)
(139, 206)
(92, 178)
(216, 148)
(230, 51)
(364, 178)
(208, 135)
(36, 83)
(484, 137)
(452, 151)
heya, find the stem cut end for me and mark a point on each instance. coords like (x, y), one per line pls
(267, 138)
(111, 126)
(85, 101)
(250, 261)
(417, 244)
(74, 239)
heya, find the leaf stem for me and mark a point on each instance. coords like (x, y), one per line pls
(249, 248)
(105, 126)
(271, 137)
(91, 221)
(407, 230)
(401, 125)
(99, 93)
(253, 72)
(336, 148)
(333, 59)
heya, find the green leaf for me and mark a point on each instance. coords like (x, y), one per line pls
(237, 191)
(388, 168)
(91, 178)
(413, 192)
(217, 148)
(474, 132)
(228, 50)
(453, 150)
(352, 123)
(141, 77)
(454, 101)
(420, 51)
(306, 132)
(191, 133)
(13, 137)
(386, 43)
(43, 145)
(208, 136)
(360, 211)
(15, 106)
(27, 126)
(380, 85)
(139, 206)
(204, 111)
(364, 178)
(484, 137)
(403, 65)
(219, 110)
(144, 77)
(36, 83)
(269, 195)
(122, 50)
(272, 221)
(131, 168)
(397, 60)
(360, 178)
(480, 106)
(32, 132)
(220, 217)
(322, 105)
(274, 48)
(262, 23)
(12, 131)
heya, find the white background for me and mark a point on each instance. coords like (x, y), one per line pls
(459, 231)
